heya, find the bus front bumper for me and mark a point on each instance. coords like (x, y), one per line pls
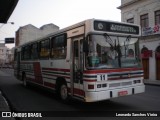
(113, 93)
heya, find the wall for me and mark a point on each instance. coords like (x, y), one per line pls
(29, 33)
(152, 61)
(150, 39)
(139, 8)
(3, 55)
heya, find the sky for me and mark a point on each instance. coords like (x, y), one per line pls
(62, 13)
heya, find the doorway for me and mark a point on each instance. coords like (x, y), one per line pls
(77, 67)
(145, 63)
(158, 63)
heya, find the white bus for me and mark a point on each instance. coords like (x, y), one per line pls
(93, 60)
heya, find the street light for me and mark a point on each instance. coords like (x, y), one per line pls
(6, 23)
(3, 25)
(10, 22)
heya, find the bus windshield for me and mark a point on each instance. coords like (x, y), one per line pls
(112, 52)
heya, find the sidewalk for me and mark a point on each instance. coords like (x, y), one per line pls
(3, 73)
(4, 107)
(152, 82)
(3, 103)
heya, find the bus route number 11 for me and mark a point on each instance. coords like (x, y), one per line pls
(102, 77)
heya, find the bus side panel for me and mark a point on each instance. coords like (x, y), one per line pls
(54, 69)
(37, 73)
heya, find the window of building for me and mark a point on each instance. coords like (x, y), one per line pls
(44, 48)
(131, 20)
(157, 17)
(34, 51)
(144, 21)
(58, 47)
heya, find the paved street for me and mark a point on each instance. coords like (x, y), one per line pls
(34, 99)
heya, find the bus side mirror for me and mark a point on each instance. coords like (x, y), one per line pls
(85, 46)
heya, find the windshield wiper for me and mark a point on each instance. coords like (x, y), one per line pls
(115, 47)
(127, 43)
(118, 49)
(109, 40)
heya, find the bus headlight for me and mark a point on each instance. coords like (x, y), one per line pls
(136, 81)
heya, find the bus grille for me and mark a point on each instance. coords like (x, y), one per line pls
(120, 84)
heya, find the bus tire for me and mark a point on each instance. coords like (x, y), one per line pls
(24, 80)
(63, 92)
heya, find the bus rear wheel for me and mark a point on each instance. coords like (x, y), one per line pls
(24, 81)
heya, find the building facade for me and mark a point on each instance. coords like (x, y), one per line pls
(146, 13)
(29, 32)
(5, 55)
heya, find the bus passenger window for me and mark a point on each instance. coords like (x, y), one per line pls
(58, 47)
(25, 53)
(15, 55)
(44, 49)
(34, 51)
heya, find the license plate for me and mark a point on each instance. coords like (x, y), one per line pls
(122, 93)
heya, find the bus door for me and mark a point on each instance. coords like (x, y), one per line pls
(77, 66)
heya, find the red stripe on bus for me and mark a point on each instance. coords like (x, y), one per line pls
(56, 69)
(117, 78)
(110, 71)
(68, 77)
(51, 85)
(89, 80)
(78, 92)
(120, 78)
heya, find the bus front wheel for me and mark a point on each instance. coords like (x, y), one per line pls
(63, 92)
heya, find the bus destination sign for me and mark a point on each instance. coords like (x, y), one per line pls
(116, 27)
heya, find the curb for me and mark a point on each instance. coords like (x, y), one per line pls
(5, 106)
(152, 84)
